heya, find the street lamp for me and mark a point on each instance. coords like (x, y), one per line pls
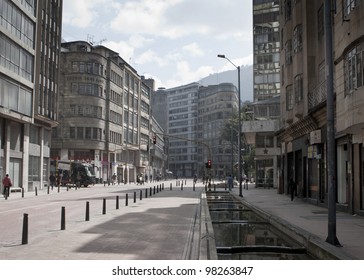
(239, 130)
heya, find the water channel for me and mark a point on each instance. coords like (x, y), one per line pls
(241, 234)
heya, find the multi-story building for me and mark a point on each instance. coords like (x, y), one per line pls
(193, 121)
(104, 113)
(349, 88)
(304, 95)
(266, 107)
(182, 104)
(217, 105)
(30, 39)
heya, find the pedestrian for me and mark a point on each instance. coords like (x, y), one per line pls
(292, 187)
(113, 179)
(7, 184)
(52, 180)
(230, 182)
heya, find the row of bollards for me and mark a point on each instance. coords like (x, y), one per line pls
(153, 190)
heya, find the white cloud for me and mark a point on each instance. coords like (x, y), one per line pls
(125, 50)
(82, 13)
(193, 49)
(150, 57)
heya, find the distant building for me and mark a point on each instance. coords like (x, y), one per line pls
(193, 117)
(105, 115)
(30, 43)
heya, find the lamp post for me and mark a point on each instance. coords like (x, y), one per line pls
(239, 130)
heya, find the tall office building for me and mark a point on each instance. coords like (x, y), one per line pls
(30, 38)
(266, 106)
(217, 106)
(193, 123)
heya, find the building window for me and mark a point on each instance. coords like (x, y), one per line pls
(349, 5)
(288, 52)
(297, 38)
(298, 88)
(287, 9)
(289, 98)
(354, 69)
(34, 169)
(320, 22)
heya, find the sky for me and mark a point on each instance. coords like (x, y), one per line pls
(175, 42)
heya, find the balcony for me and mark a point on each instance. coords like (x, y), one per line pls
(317, 96)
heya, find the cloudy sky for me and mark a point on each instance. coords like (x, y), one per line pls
(174, 42)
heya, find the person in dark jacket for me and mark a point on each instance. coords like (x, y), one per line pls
(292, 187)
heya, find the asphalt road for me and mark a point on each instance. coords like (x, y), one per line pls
(44, 210)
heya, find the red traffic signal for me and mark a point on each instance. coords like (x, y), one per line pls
(209, 163)
(154, 139)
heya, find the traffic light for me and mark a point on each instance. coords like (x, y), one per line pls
(154, 139)
(209, 163)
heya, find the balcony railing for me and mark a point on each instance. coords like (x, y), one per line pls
(317, 95)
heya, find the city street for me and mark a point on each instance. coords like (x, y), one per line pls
(48, 241)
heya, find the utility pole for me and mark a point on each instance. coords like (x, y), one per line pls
(331, 159)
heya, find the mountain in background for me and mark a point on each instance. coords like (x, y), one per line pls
(231, 76)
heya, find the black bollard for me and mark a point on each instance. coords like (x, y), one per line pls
(194, 187)
(48, 190)
(141, 194)
(163, 186)
(170, 187)
(117, 202)
(63, 218)
(126, 199)
(22, 192)
(146, 193)
(104, 206)
(36, 191)
(58, 188)
(67, 187)
(153, 189)
(134, 197)
(24, 238)
(157, 189)
(215, 187)
(150, 191)
(87, 217)
(182, 186)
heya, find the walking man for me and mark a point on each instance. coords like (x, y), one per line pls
(7, 184)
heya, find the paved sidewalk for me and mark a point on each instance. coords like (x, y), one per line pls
(310, 218)
(159, 227)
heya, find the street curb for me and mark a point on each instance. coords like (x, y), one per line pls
(207, 237)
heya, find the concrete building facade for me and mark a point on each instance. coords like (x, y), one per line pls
(193, 121)
(304, 124)
(30, 43)
(105, 115)
(261, 131)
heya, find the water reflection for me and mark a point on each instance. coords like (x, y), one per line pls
(241, 234)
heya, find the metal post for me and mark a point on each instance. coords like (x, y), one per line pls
(87, 216)
(24, 239)
(126, 199)
(117, 202)
(239, 130)
(104, 206)
(63, 218)
(331, 159)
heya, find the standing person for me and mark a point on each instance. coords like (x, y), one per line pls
(52, 180)
(113, 179)
(292, 187)
(7, 184)
(230, 182)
